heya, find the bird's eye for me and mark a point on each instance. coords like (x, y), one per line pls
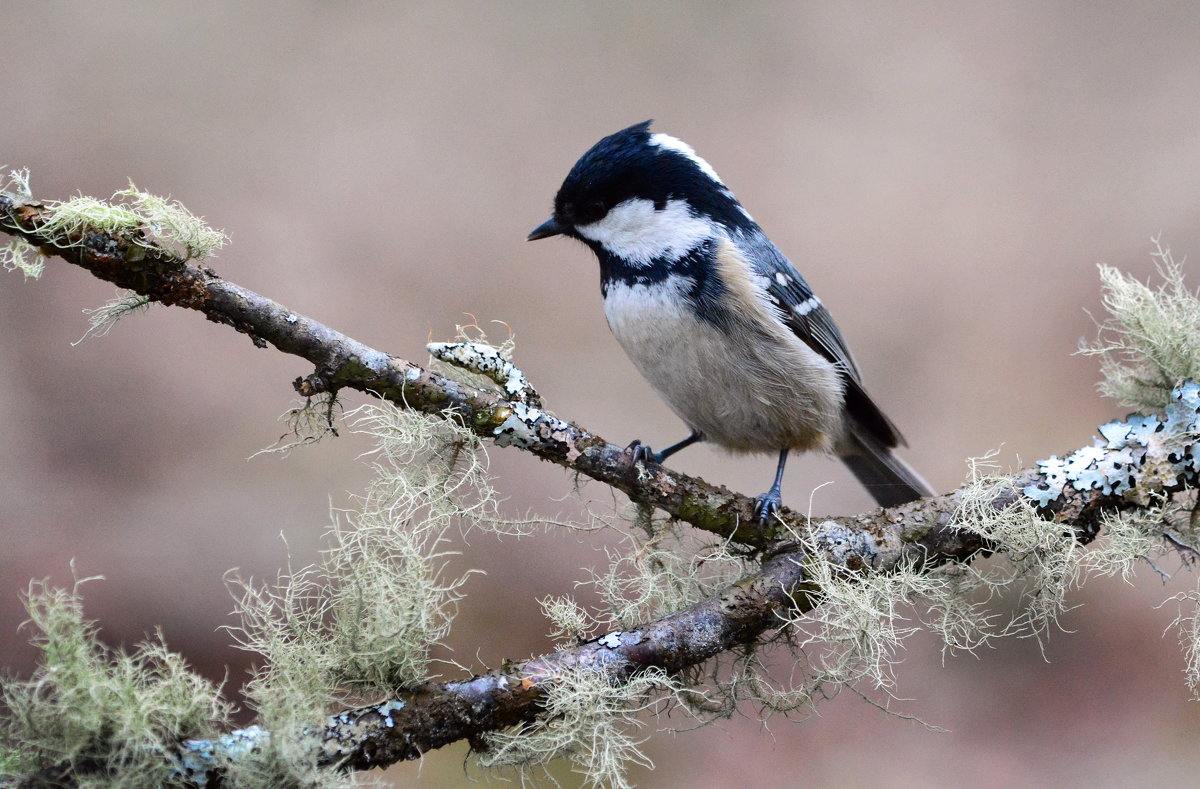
(592, 211)
(581, 213)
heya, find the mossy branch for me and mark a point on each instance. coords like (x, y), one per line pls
(1076, 498)
(129, 257)
(916, 536)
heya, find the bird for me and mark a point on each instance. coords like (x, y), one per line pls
(717, 319)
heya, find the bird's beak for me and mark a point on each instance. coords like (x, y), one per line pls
(545, 230)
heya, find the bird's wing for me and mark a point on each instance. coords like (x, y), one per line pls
(802, 312)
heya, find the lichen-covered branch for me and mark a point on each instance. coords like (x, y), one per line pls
(131, 259)
(918, 535)
(1137, 464)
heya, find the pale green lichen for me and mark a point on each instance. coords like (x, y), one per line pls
(862, 619)
(1187, 625)
(86, 703)
(173, 223)
(19, 255)
(102, 319)
(589, 720)
(289, 709)
(662, 573)
(864, 616)
(1149, 348)
(16, 761)
(1149, 343)
(361, 622)
(66, 221)
(310, 421)
(571, 622)
(437, 465)
(1044, 561)
(16, 185)
(160, 220)
(365, 618)
(1040, 557)
(146, 220)
(1127, 540)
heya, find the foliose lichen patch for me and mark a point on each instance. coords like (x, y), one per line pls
(1135, 458)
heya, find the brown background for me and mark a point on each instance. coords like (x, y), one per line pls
(947, 176)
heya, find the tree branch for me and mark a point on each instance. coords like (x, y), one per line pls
(922, 533)
(129, 260)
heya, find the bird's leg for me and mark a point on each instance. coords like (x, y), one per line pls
(768, 503)
(643, 453)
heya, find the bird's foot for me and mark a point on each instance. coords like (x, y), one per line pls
(766, 505)
(642, 453)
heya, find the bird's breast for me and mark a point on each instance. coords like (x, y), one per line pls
(747, 383)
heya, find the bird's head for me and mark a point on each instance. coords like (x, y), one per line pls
(642, 197)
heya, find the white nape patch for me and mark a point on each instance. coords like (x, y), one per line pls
(806, 306)
(679, 146)
(638, 234)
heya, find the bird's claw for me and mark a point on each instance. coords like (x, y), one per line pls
(767, 505)
(642, 453)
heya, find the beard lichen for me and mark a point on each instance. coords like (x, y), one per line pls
(589, 720)
(1149, 343)
(148, 220)
(309, 421)
(364, 618)
(16, 185)
(102, 319)
(19, 255)
(88, 704)
(362, 621)
(661, 574)
(160, 220)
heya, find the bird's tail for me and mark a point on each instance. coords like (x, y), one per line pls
(886, 477)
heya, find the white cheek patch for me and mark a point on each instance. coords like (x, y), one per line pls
(679, 146)
(638, 234)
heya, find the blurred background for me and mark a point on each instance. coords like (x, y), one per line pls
(946, 175)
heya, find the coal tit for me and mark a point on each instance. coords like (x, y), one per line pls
(717, 319)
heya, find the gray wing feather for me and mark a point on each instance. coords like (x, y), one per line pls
(797, 304)
(800, 311)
